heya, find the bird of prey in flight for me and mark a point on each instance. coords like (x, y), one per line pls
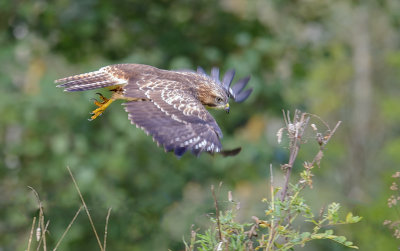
(168, 105)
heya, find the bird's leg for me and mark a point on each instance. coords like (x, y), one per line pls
(97, 103)
(102, 106)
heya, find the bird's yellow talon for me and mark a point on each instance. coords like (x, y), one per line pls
(102, 106)
(97, 103)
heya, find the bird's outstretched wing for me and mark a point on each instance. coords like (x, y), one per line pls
(174, 117)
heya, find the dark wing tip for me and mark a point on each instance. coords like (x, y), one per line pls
(240, 85)
(179, 151)
(233, 152)
(242, 96)
(228, 77)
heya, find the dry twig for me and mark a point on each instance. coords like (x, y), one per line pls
(273, 228)
(43, 239)
(31, 234)
(66, 230)
(216, 213)
(105, 229)
(295, 132)
(86, 209)
(41, 225)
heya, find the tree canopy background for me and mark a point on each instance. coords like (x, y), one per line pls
(337, 59)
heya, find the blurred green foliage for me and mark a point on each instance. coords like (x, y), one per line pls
(338, 59)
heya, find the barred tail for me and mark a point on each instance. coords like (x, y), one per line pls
(91, 80)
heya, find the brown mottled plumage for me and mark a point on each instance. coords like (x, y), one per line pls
(169, 105)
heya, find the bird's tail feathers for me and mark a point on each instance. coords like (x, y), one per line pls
(89, 81)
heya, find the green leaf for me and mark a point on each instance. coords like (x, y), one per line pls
(340, 239)
(348, 243)
(277, 189)
(318, 236)
(356, 219)
(349, 217)
(305, 235)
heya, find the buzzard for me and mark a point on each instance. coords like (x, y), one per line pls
(168, 105)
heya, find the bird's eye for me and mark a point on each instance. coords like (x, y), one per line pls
(218, 99)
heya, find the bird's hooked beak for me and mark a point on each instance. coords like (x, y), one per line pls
(227, 108)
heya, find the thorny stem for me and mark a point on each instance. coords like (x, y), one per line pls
(293, 155)
(295, 131)
(294, 149)
(294, 145)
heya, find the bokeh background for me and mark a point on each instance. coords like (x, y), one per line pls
(338, 59)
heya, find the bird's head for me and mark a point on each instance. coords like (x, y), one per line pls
(216, 93)
(213, 95)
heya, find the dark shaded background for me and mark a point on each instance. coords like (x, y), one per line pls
(338, 59)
